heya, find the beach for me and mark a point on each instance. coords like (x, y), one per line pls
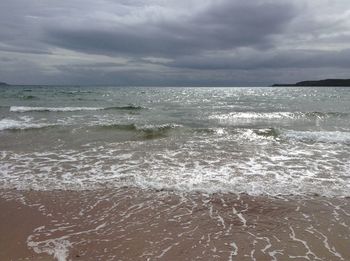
(132, 224)
(107, 173)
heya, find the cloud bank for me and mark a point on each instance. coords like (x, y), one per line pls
(157, 42)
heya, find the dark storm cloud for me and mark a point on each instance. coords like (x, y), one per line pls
(225, 25)
(270, 59)
(173, 42)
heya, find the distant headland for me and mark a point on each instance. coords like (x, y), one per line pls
(321, 83)
(4, 84)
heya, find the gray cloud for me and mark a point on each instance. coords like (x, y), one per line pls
(175, 42)
(272, 59)
(227, 25)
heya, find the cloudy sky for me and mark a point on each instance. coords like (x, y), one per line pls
(173, 42)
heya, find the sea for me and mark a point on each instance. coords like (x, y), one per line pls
(174, 173)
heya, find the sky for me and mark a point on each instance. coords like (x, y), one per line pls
(173, 42)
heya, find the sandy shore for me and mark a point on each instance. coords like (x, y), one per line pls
(17, 222)
(133, 224)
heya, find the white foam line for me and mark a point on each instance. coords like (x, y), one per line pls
(253, 251)
(268, 245)
(278, 240)
(234, 251)
(187, 232)
(319, 136)
(61, 245)
(221, 220)
(336, 208)
(254, 176)
(58, 248)
(254, 115)
(309, 252)
(166, 250)
(240, 216)
(331, 250)
(9, 124)
(54, 109)
(273, 254)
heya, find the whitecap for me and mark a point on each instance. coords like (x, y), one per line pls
(53, 109)
(25, 123)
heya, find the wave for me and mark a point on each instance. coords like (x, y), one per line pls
(256, 135)
(318, 136)
(253, 115)
(281, 135)
(277, 115)
(147, 131)
(125, 127)
(322, 115)
(70, 109)
(128, 107)
(184, 168)
(268, 133)
(156, 131)
(292, 135)
(52, 109)
(28, 97)
(74, 92)
(209, 131)
(8, 124)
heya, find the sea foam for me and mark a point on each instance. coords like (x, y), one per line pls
(53, 109)
(268, 168)
(252, 115)
(70, 109)
(25, 123)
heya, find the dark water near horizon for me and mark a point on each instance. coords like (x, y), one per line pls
(180, 173)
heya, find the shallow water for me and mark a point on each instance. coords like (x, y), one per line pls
(135, 224)
(253, 140)
(225, 173)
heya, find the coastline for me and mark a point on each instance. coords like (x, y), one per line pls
(17, 222)
(175, 174)
(318, 83)
(136, 224)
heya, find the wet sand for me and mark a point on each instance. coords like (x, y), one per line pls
(135, 224)
(17, 222)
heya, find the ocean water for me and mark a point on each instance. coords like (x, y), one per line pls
(178, 173)
(259, 141)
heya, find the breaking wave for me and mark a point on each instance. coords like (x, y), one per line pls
(70, 109)
(319, 136)
(340, 137)
(28, 97)
(147, 131)
(277, 115)
(184, 169)
(127, 107)
(9, 124)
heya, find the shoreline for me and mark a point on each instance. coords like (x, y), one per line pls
(17, 222)
(136, 224)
